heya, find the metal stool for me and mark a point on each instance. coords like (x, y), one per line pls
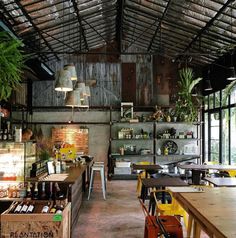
(98, 166)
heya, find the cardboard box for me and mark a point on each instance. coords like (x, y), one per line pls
(36, 224)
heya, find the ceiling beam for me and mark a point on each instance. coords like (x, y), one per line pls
(207, 26)
(35, 27)
(159, 26)
(80, 23)
(119, 25)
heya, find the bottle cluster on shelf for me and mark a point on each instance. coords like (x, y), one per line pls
(48, 199)
(32, 191)
(32, 206)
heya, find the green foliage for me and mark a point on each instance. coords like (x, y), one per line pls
(11, 64)
(187, 105)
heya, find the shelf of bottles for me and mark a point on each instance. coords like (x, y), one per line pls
(38, 198)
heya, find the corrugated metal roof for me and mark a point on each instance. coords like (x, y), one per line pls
(201, 29)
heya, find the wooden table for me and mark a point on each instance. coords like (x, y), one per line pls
(214, 210)
(222, 182)
(149, 168)
(197, 169)
(161, 182)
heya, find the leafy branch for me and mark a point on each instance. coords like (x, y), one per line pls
(11, 64)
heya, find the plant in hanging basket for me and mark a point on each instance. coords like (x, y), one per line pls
(11, 64)
(187, 106)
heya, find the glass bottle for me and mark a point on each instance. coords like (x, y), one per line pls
(31, 208)
(43, 192)
(36, 191)
(28, 191)
(46, 208)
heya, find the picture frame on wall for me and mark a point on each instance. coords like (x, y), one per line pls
(127, 112)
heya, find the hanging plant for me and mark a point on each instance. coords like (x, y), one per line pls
(11, 64)
(187, 105)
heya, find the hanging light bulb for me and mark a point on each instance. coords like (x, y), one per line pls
(71, 69)
(63, 81)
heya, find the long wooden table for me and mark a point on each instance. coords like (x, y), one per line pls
(214, 210)
(197, 169)
(222, 182)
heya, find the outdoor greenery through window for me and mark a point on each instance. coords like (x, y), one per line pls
(220, 128)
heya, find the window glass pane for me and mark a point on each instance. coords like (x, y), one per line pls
(211, 100)
(206, 137)
(214, 139)
(233, 96)
(217, 99)
(206, 102)
(225, 136)
(232, 134)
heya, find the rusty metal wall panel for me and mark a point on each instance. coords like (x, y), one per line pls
(105, 92)
(129, 82)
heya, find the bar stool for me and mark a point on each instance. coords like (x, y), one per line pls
(98, 166)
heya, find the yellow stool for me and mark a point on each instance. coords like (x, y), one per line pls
(172, 208)
(141, 175)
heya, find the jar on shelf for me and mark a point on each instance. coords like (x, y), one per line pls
(165, 152)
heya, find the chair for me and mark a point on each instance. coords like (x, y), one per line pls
(98, 166)
(171, 208)
(141, 174)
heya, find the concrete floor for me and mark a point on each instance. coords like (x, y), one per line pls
(119, 216)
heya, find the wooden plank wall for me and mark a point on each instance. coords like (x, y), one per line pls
(154, 82)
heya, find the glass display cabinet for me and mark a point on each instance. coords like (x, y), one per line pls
(15, 164)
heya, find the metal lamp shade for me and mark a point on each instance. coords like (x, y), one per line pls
(71, 69)
(232, 75)
(63, 81)
(208, 86)
(81, 86)
(73, 99)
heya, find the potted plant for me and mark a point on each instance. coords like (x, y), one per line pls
(11, 64)
(187, 105)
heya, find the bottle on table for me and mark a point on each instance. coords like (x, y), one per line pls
(36, 191)
(43, 195)
(58, 194)
(28, 191)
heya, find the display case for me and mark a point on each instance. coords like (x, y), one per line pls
(15, 164)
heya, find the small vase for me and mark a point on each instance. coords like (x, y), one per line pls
(168, 119)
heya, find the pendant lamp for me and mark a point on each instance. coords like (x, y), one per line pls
(71, 69)
(87, 91)
(208, 86)
(81, 86)
(73, 98)
(63, 81)
(232, 75)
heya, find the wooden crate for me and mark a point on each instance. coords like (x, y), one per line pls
(36, 224)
